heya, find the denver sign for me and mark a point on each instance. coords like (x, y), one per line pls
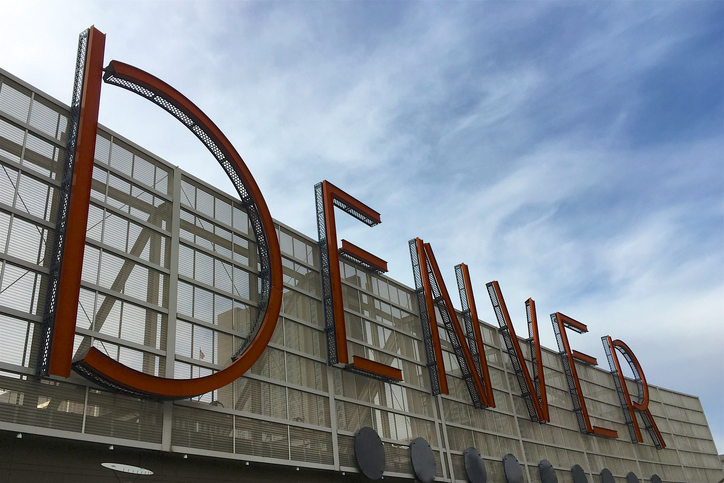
(59, 329)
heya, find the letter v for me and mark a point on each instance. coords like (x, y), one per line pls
(538, 405)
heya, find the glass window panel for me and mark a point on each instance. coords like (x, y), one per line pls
(12, 141)
(121, 159)
(203, 305)
(14, 102)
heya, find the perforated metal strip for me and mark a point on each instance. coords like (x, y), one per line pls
(63, 205)
(510, 349)
(329, 329)
(246, 200)
(424, 319)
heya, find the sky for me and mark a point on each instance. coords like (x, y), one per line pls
(573, 151)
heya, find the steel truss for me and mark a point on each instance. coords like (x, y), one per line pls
(66, 186)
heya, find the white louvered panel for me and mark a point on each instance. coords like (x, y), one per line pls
(205, 202)
(203, 305)
(303, 338)
(260, 397)
(8, 181)
(223, 307)
(241, 220)
(198, 428)
(223, 211)
(164, 179)
(143, 171)
(458, 466)
(43, 157)
(121, 158)
(261, 438)
(4, 230)
(11, 141)
(16, 341)
(310, 446)
(188, 194)
(19, 289)
(346, 451)
(306, 372)
(26, 241)
(397, 458)
(123, 417)
(223, 276)
(14, 100)
(308, 408)
(42, 404)
(103, 147)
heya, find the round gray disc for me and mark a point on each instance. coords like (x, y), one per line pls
(547, 473)
(512, 469)
(474, 466)
(632, 478)
(369, 453)
(606, 476)
(655, 478)
(423, 460)
(579, 476)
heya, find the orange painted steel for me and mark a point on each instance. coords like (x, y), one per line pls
(455, 323)
(340, 331)
(347, 199)
(329, 194)
(625, 389)
(541, 406)
(563, 322)
(374, 367)
(642, 405)
(125, 377)
(608, 433)
(61, 349)
(360, 254)
(488, 397)
(435, 334)
(585, 358)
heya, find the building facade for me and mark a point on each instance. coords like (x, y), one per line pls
(170, 287)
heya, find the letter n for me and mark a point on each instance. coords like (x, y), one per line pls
(432, 294)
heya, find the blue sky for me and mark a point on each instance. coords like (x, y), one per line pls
(573, 151)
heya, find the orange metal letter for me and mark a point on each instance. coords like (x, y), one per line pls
(430, 306)
(436, 294)
(66, 309)
(627, 405)
(332, 196)
(560, 323)
(106, 371)
(532, 389)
